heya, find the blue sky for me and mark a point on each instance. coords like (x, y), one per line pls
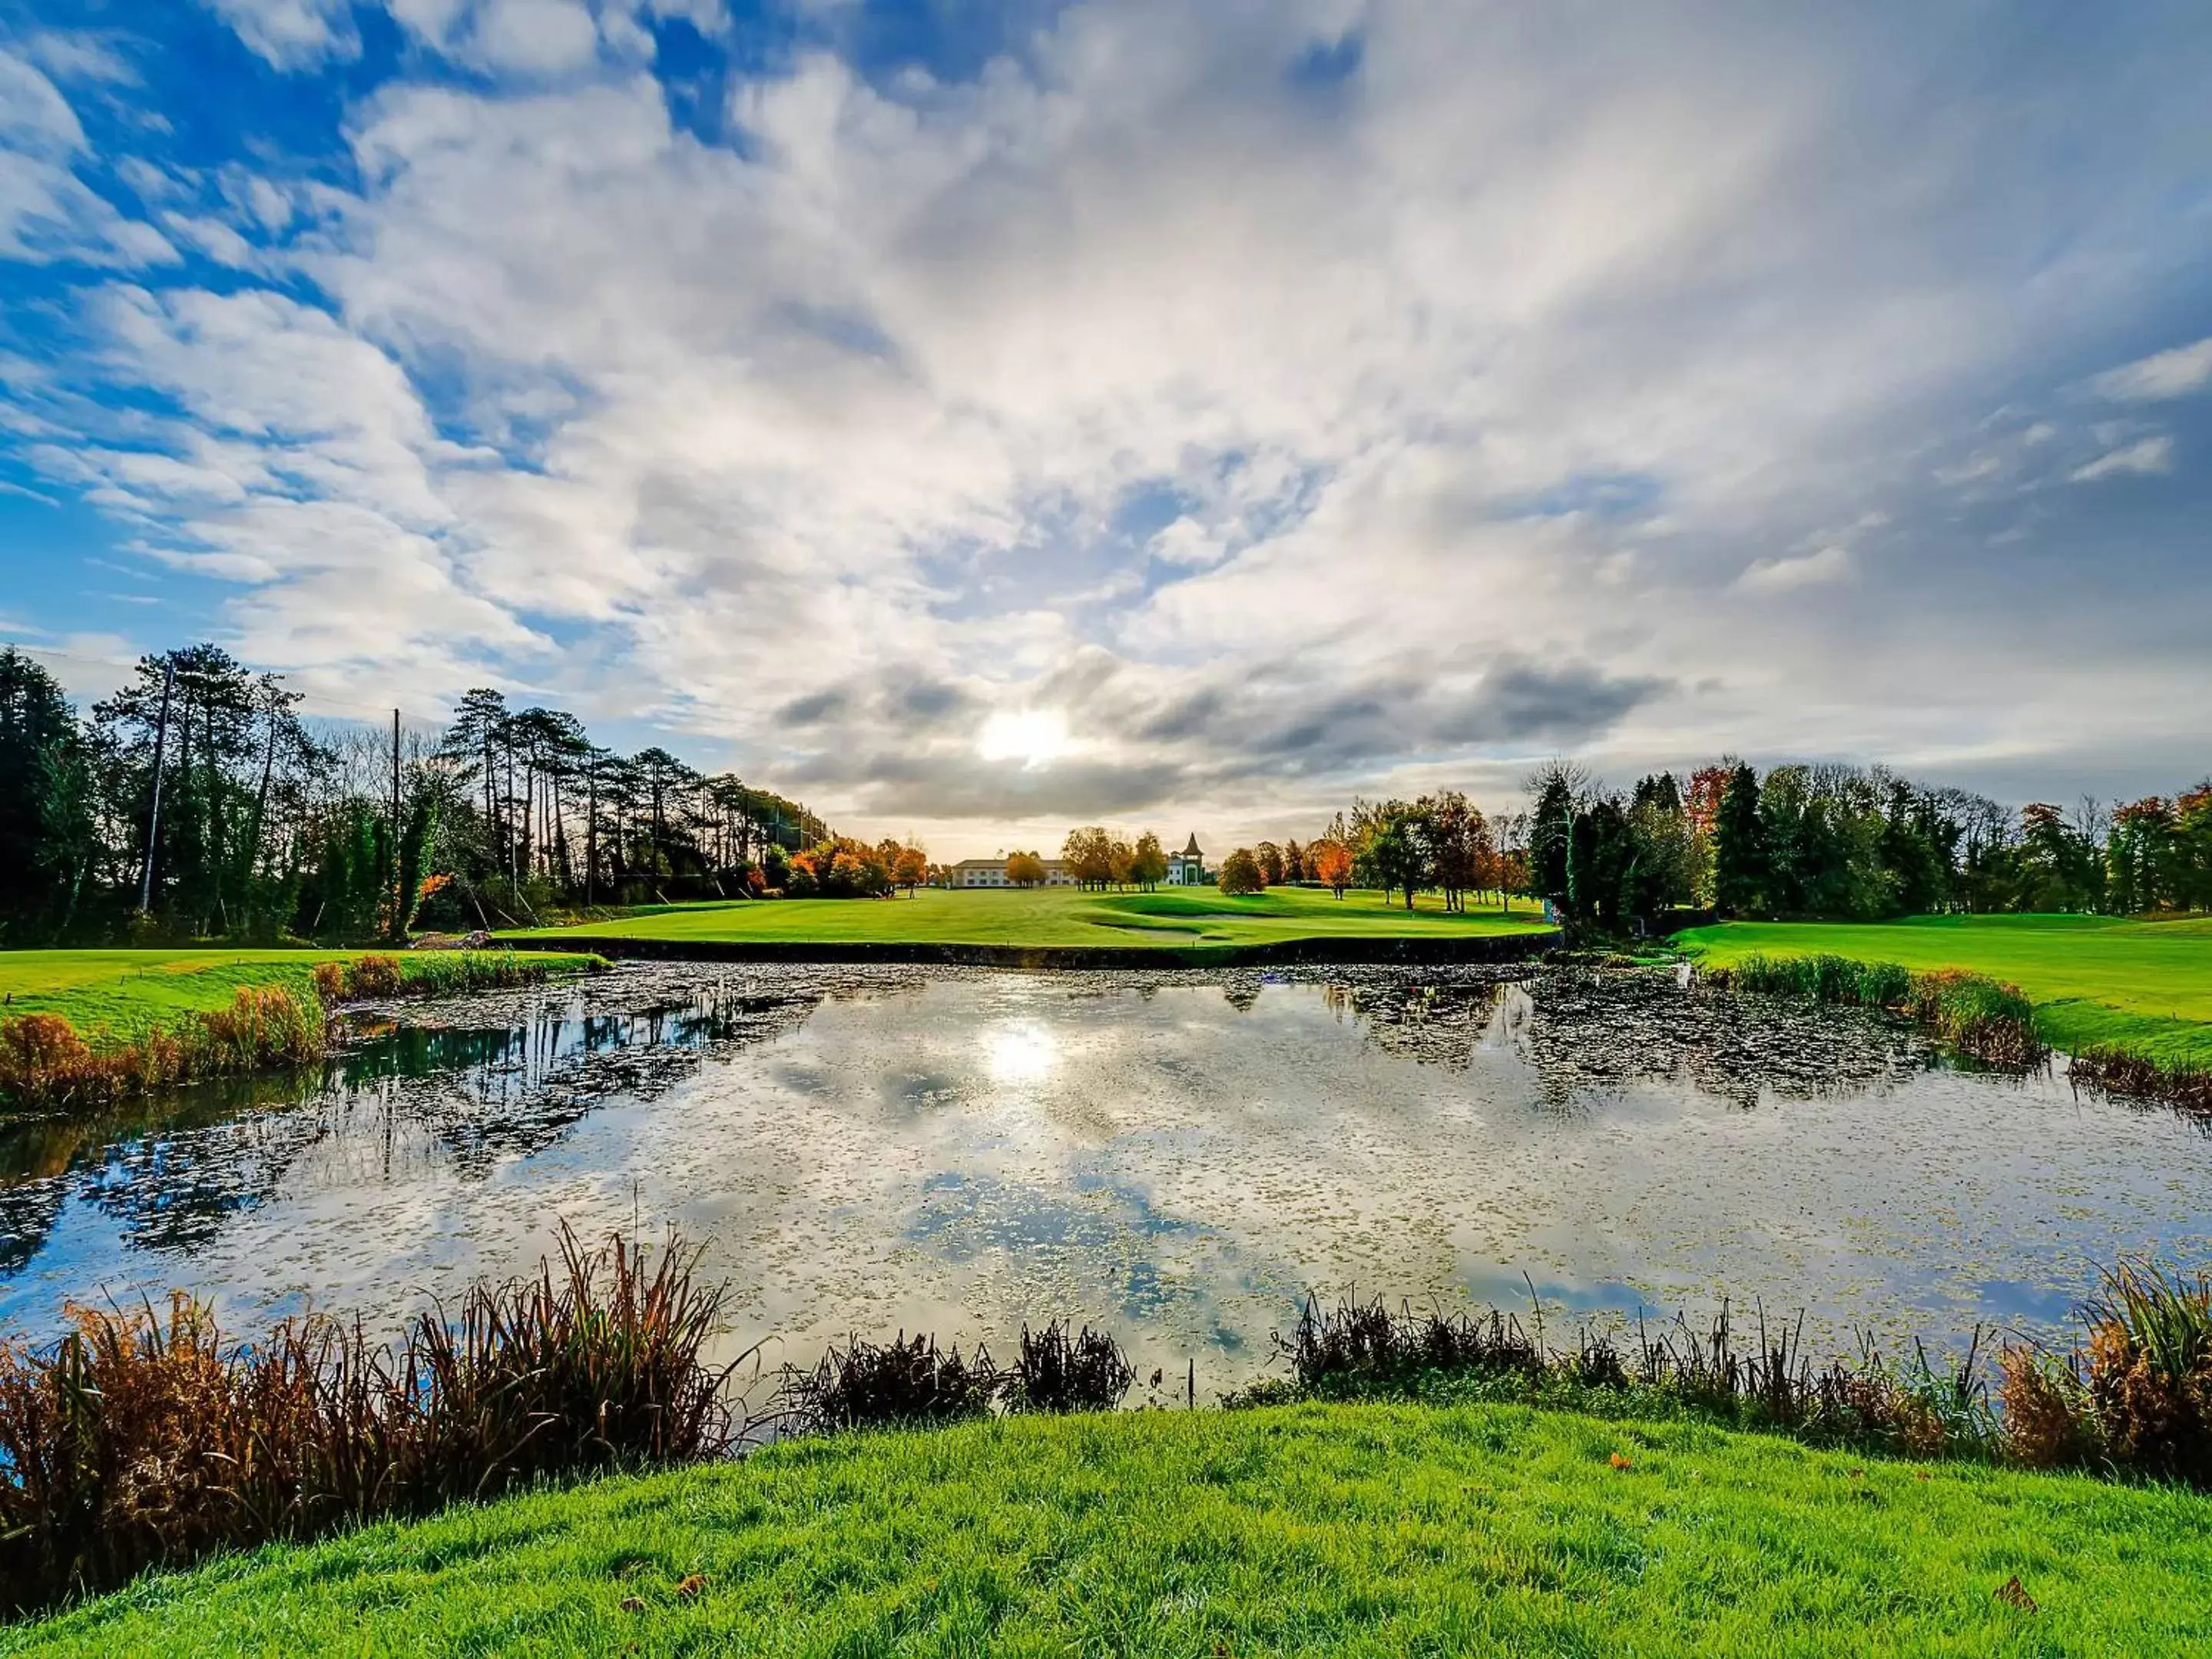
(979, 418)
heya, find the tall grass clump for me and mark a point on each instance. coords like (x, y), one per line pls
(381, 978)
(1973, 1013)
(1064, 1370)
(2137, 1395)
(146, 1438)
(1761, 1378)
(908, 1380)
(911, 1381)
(2139, 1077)
(45, 1063)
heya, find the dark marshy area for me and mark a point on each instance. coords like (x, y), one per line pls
(1973, 1014)
(2138, 1077)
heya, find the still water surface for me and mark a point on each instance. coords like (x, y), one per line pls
(1180, 1156)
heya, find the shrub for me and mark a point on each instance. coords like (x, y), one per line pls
(2116, 1072)
(41, 1057)
(2047, 1424)
(2149, 1378)
(371, 977)
(43, 1062)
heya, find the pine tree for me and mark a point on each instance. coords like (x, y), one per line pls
(1740, 862)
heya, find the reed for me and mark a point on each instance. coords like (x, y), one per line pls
(2138, 1077)
(45, 1064)
(905, 1382)
(1973, 1013)
(1064, 1370)
(1756, 1378)
(910, 1380)
(145, 1437)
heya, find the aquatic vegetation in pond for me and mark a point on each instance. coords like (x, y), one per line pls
(970, 1152)
(1974, 1013)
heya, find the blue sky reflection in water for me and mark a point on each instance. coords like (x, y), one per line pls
(1177, 1157)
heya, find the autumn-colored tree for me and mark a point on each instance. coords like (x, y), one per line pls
(1456, 840)
(1089, 856)
(911, 868)
(1122, 863)
(1330, 861)
(1025, 869)
(1240, 873)
(1269, 858)
(1148, 865)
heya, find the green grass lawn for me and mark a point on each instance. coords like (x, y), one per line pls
(1372, 1529)
(2146, 985)
(1058, 916)
(121, 995)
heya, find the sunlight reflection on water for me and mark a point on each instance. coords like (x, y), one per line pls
(1178, 1156)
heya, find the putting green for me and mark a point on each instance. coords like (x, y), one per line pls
(1060, 916)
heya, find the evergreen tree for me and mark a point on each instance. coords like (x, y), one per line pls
(1739, 855)
(1551, 831)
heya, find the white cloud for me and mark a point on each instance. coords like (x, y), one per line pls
(1514, 350)
(2144, 455)
(47, 213)
(1778, 576)
(2174, 373)
(293, 34)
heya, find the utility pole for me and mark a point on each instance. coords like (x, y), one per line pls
(153, 818)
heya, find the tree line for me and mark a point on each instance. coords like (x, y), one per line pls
(1827, 841)
(196, 802)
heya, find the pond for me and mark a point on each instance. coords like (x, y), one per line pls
(1178, 1156)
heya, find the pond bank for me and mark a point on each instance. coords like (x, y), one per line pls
(1472, 948)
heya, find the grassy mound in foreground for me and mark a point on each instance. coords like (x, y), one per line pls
(2141, 986)
(1360, 1529)
(1060, 916)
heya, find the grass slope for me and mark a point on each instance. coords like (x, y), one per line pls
(1055, 916)
(119, 996)
(2146, 985)
(1342, 1529)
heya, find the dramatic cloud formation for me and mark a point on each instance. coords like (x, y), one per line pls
(1156, 412)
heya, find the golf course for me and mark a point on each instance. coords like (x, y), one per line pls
(2144, 986)
(1060, 917)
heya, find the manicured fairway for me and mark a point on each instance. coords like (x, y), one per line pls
(123, 994)
(2145, 985)
(1314, 1529)
(1063, 916)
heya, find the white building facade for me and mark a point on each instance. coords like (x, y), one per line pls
(1188, 867)
(991, 872)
